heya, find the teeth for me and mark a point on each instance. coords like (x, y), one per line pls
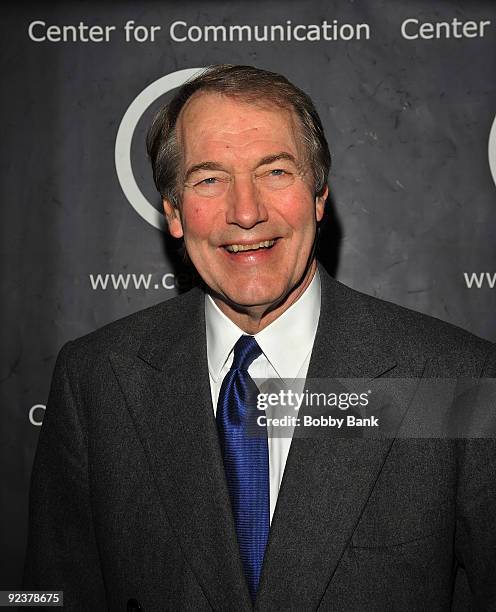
(234, 248)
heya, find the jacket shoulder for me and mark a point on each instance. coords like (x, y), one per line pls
(451, 350)
(128, 333)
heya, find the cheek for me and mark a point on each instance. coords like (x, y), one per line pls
(198, 220)
(298, 211)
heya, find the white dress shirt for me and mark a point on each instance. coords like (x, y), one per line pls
(286, 349)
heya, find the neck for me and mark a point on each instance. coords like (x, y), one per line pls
(252, 319)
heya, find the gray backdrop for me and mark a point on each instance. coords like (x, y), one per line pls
(408, 117)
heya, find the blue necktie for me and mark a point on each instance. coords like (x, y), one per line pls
(246, 459)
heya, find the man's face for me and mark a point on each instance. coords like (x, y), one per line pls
(249, 149)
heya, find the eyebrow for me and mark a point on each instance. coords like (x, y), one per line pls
(268, 159)
(207, 165)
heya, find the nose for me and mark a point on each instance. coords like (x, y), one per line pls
(245, 206)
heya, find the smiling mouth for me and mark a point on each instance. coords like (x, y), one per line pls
(237, 248)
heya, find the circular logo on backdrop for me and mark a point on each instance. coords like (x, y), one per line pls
(125, 137)
(492, 150)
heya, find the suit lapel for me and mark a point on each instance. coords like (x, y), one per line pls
(327, 480)
(168, 395)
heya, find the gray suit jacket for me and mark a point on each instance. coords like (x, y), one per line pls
(129, 499)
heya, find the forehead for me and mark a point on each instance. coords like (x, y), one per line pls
(215, 124)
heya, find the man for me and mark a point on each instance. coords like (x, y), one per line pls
(148, 493)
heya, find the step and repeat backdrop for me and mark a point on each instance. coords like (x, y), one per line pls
(407, 95)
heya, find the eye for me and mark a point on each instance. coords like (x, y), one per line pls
(211, 180)
(211, 186)
(276, 178)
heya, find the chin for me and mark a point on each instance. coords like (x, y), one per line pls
(251, 297)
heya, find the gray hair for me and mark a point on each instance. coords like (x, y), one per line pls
(252, 85)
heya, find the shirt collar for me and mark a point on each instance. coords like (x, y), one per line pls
(286, 342)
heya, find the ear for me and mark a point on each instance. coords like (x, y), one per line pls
(320, 204)
(173, 219)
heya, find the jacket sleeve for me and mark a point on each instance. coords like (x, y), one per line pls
(62, 551)
(475, 543)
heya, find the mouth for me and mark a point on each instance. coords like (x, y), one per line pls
(255, 246)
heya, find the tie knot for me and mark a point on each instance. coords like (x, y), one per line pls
(246, 350)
